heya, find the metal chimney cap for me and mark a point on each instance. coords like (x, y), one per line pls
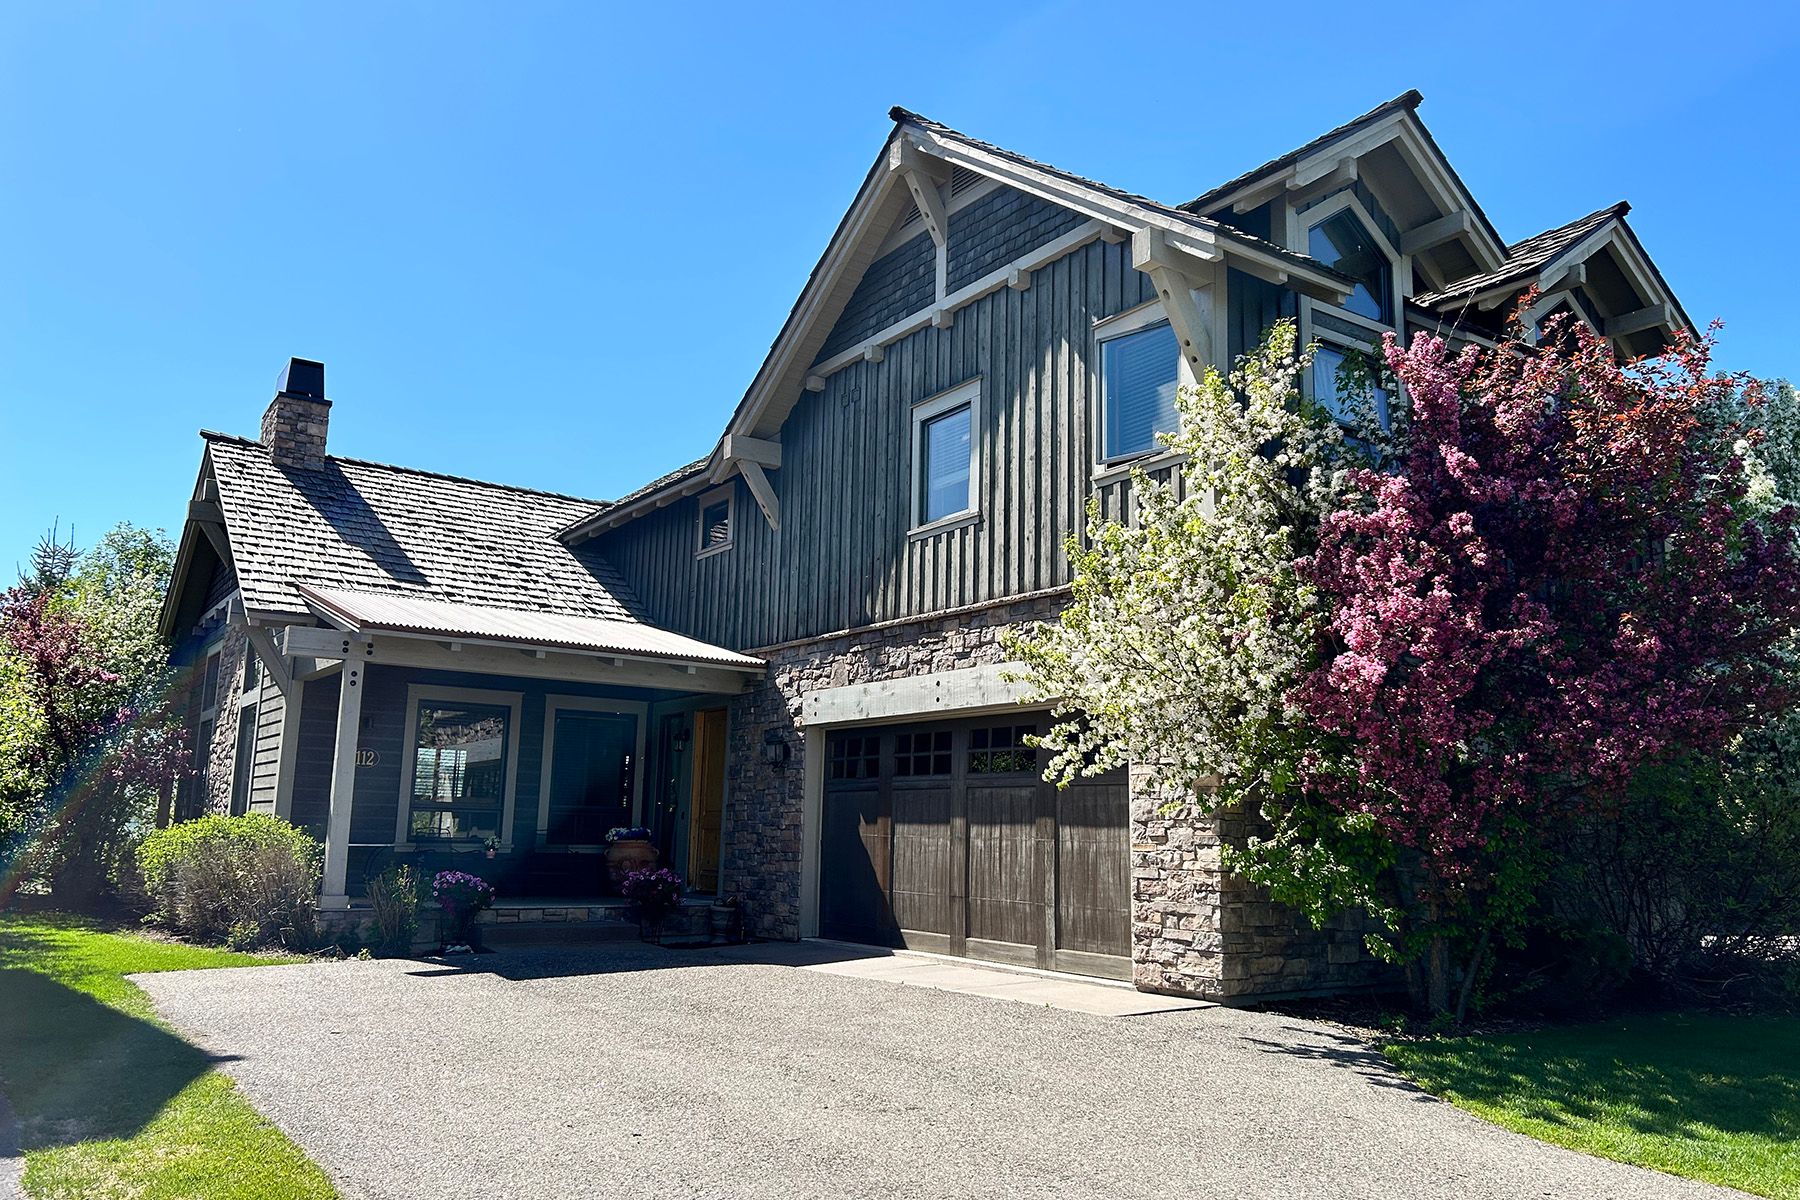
(302, 377)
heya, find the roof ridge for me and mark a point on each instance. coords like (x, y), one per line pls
(213, 435)
(1616, 209)
(1409, 100)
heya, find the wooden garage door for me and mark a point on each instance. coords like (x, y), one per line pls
(945, 837)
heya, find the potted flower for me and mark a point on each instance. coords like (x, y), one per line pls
(628, 849)
(461, 897)
(655, 893)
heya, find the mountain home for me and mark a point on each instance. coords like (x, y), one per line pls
(784, 657)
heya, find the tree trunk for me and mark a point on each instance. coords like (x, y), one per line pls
(1437, 976)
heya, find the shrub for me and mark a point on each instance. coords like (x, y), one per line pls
(1700, 873)
(251, 880)
(394, 901)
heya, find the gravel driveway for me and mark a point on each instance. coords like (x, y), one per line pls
(643, 1072)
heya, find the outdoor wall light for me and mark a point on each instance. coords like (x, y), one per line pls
(683, 734)
(775, 749)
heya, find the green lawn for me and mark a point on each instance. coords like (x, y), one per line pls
(111, 1102)
(1709, 1097)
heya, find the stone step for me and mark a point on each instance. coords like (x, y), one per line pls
(558, 933)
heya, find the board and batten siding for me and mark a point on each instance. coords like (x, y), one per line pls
(843, 556)
(265, 761)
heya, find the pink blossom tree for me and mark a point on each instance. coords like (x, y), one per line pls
(1557, 580)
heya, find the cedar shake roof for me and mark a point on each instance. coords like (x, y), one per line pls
(1526, 259)
(368, 527)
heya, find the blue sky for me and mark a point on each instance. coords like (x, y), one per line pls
(549, 244)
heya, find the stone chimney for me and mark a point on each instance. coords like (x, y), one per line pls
(294, 424)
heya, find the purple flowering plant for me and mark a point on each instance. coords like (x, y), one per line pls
(656, 893)
(460, 892)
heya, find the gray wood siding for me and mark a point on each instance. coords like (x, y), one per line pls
(998, 228)
(900, 282)
(1254, 306)
(843, 557)
(265, 762)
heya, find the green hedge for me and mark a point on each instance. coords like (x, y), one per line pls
(248, 881)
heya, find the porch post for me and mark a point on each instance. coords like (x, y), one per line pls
(332, 894)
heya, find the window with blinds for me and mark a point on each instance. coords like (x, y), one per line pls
(1139, 372)
(946, 470)
(944, 480)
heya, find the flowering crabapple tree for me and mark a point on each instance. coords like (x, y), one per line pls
(1418, 664)
(1190, 627)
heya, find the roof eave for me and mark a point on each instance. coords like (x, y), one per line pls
(338, 618)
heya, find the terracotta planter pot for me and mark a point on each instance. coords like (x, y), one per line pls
(622, 858)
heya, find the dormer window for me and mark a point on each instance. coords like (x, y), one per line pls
(1343, 242)
(718, 520)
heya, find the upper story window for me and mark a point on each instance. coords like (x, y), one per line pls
(1343, 242)
(946, 469)
(718, 520)
(1140, 370)
(1341, 375)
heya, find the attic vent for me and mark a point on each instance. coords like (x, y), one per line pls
(912, 215)
(962, 179)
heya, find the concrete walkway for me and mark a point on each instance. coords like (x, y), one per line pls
(755, 1072)
(1067, 992)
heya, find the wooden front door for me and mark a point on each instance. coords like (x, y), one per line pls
(706, 809)
(946, 838)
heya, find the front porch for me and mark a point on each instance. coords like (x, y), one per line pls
(447, 740)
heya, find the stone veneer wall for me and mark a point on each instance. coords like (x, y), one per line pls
(1197, 931)
(223, 757)
(762, 828)
(1194, 931)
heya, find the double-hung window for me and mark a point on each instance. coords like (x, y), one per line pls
(1140, 370)
(206, 721)
(946, 455)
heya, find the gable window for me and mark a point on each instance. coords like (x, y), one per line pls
(1342, 376)
(945, 466)
(1140, 369)
(1343, 242)
(718, 520)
